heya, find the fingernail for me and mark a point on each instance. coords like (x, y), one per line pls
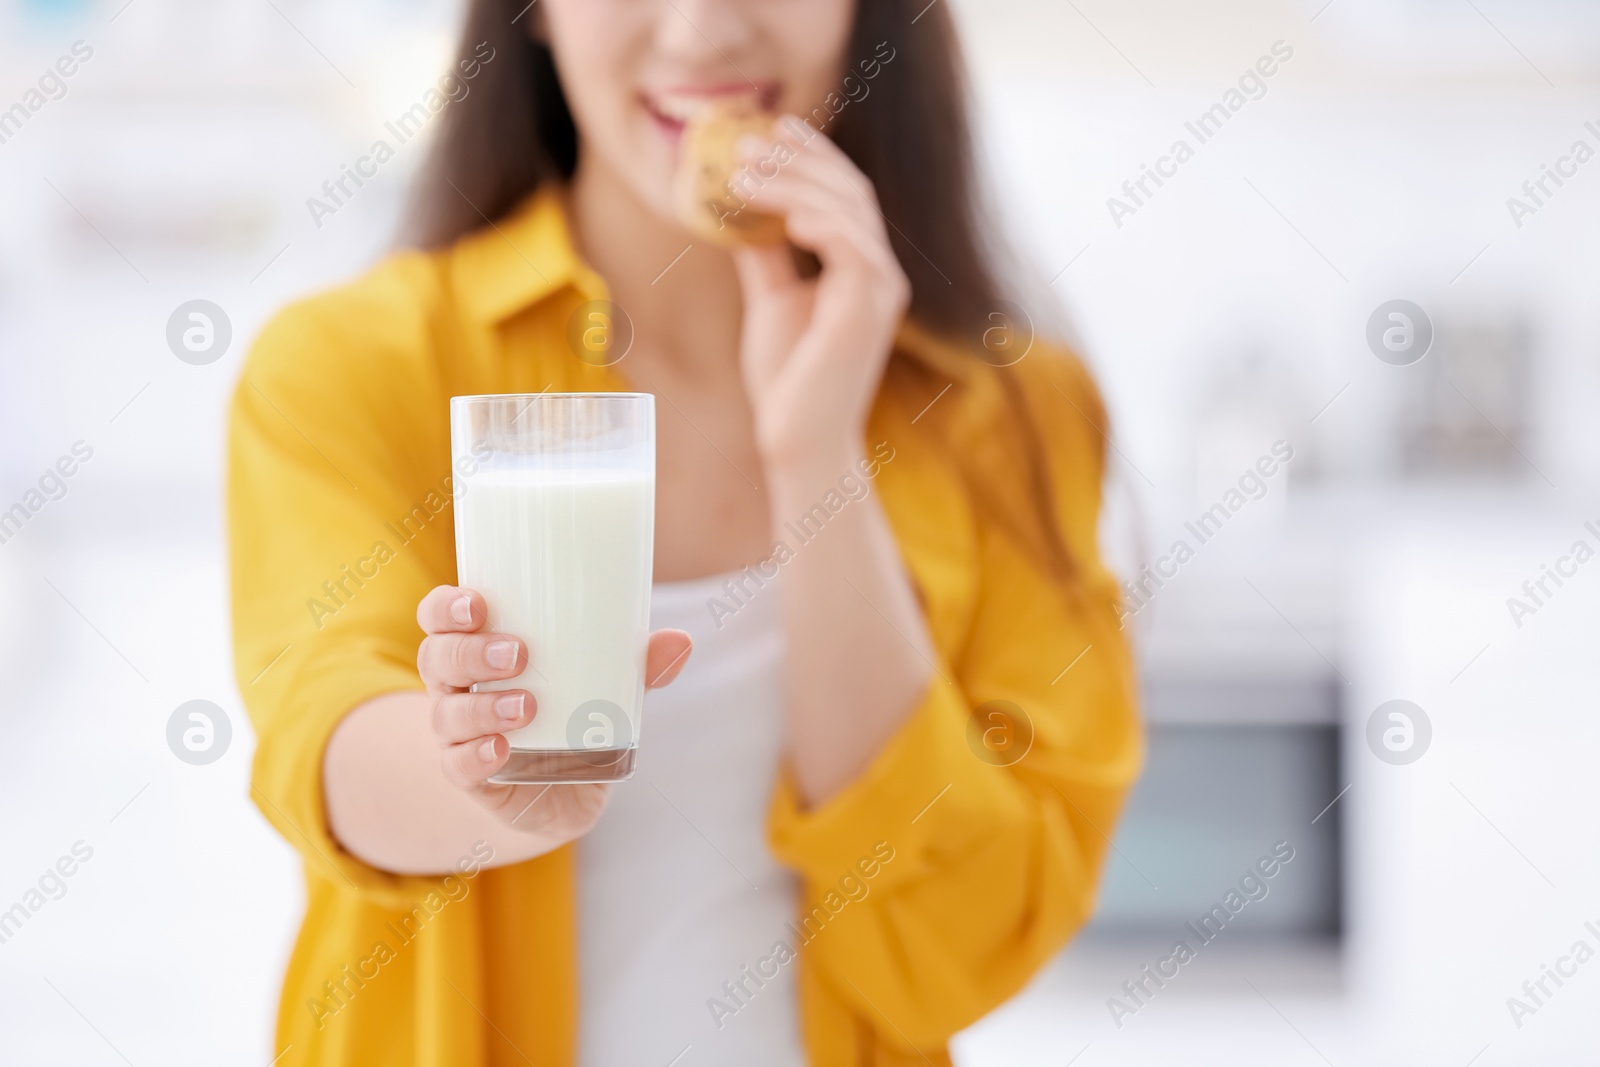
(509, 707)
(501, 654)
(461, 611)
(486, 750)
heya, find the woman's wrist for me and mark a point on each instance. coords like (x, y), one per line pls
(804, 466)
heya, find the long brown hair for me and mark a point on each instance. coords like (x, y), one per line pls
(514, 132)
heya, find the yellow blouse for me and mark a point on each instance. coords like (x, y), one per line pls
(339, 490)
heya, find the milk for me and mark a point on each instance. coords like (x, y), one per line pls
(562, 556)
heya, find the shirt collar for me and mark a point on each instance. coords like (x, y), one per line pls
(510, 265)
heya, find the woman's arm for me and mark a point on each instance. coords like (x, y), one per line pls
(944, 876)
(813, 353)
(858, 649)
(929, 914)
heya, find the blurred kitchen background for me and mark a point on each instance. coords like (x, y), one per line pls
(1227, 311)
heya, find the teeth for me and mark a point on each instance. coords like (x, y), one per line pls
(684, 108)
(678, 107)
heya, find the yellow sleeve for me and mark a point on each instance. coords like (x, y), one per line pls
(994, 864)
(338, 523)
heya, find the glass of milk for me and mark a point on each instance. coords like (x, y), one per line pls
(555, 517)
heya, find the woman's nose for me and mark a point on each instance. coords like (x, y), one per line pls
(710, 34)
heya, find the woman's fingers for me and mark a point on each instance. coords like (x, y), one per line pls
(669, 651)
(469, 764)
(455, 661)
(459, 717)
(828, 206)
(824, 163)
(792, 189)
(813, 222)
(816, 159)
(471, 726)
(838, 226)
(451, 609)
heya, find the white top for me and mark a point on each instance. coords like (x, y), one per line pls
(677, 893)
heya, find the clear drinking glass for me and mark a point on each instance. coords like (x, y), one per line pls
(555, 518)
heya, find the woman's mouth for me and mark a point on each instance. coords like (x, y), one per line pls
(671, 109)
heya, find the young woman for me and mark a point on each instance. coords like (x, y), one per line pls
(877, 797)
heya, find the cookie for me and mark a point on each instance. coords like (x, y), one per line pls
(706, 189)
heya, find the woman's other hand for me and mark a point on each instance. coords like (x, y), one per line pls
(812, 353)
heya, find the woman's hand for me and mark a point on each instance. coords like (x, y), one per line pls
(812, 351)
(470, 727)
